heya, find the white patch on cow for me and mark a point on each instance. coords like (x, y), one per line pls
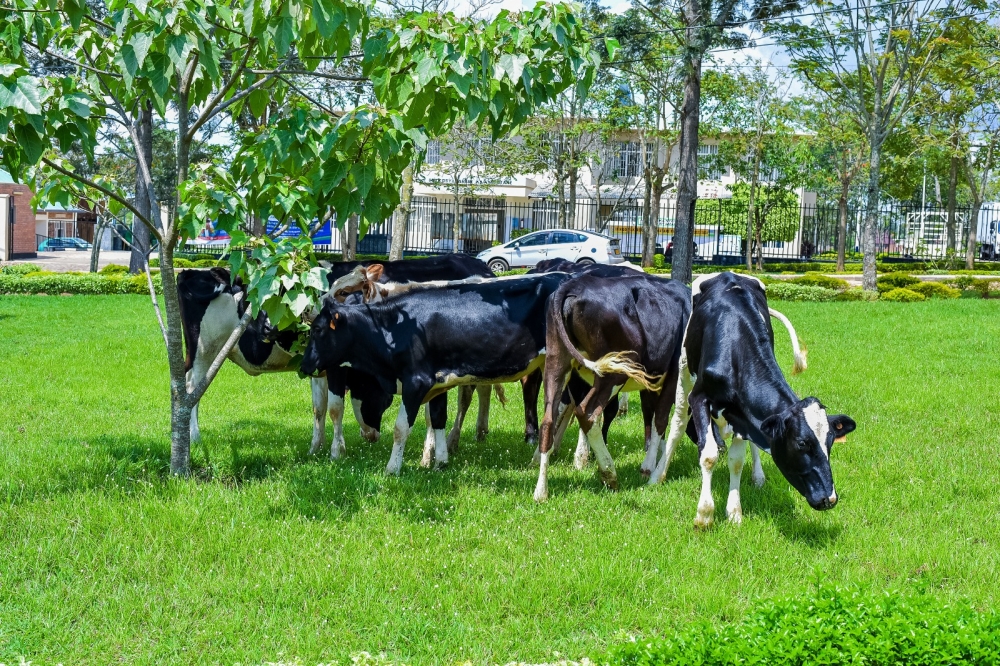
(427, 459)
(371, 434)
(337, 446)
(443, 382)
(195, 430)
(605, 464)
(218, 323)
(706, 505)
(652, 452)
(440, 449)
(700, 280)
(819, 424)
(399, 435)
(758, 469)
(737, 456)
(680, 416)
(582, 454)
(542, 487)
(346, 364)
(320, 392)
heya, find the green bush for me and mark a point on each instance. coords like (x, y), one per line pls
(895, 281)
(84, 283)
(786, 291)
(659, 261)
(902, 295)
(935, 290)
(830, 626)
(113, 269)
(207, 263)
(20, 269)
(820, 280)
(857, 294)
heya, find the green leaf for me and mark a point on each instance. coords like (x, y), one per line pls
(140, 44)
(364, 176)
(79, 104)
(283, 29)
(298, 302)
(29, 141)
(22, 95)
(178, 49)
(612, 45)
(316, 279)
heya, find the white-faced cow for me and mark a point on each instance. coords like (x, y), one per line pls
(432, 338)
(731, 381)
(211, 308)
(617, 332)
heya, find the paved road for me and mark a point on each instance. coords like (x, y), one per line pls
(73, 260)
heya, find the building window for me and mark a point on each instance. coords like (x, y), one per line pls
(433, 152)
(708, 158)
(629, 160)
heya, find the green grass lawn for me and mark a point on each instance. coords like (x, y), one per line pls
(273, 556)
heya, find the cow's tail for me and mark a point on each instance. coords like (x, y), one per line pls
(501, 395)
(799, 352)
(620, 362)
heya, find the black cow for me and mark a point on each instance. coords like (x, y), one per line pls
(432, 338)
(212, 306)
(633, 325)
(732, 383)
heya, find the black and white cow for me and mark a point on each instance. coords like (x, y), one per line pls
(212, 306)
(731, 382)
(432, 338)
(633, 326)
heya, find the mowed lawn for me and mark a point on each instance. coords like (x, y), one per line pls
(274, 556)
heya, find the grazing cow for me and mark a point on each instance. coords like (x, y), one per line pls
(732, 383)
(432, 338)
(634, 326)
(212, 306)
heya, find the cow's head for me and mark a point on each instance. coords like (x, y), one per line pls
(329, 339)
(362, 278)
(800, 439)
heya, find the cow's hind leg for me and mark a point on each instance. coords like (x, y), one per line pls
(319, 390)
(530, 386)
(194, 377)
(758, 469)
(557, 369)
(737, 456)
(437, 418)
(596, 403)
(464, 400)
(654, 441)
(428, 457)
(709, 445)
(408, 409)
(485, 392)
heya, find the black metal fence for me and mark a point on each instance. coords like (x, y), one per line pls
(787, 233)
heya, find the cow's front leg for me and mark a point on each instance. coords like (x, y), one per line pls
(428, 457)
(758, 469)
(437, 419)
(408, 408)
(484, 392)
(317, 386)
(369, 433)
(737, 456)
(708, 456)
(464, 400)
(194, 377)
(530, 386)
(678, 421)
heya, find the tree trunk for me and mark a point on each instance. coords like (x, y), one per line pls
(350, 238)
(751, 222)
(687, 184)
(869, 231)
(758, 236)
(647, 214)
(652, 228)
(143, 203)
(952, 196)
(574, 176)
(970, 246)
(256, 225)
(95, 252)
(561, 191)
(842, 226)
(456, 227)
(401, 216)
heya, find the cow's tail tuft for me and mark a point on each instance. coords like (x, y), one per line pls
(501, 395)
(800, 352)
(622, 363)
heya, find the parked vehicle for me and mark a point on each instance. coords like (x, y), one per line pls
(568, 244)
(67, 243)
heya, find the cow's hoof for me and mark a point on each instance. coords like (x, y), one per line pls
(610, 479)
(758, 480)
(440, 466)
(481, 435)
(370, 434)
(580, 461)
(541, 494)
(705, 517)
(392, 471)
(536, 459)
(530, 438)
(645, 472)
(313, 449)
(735, 515)
(338, 450)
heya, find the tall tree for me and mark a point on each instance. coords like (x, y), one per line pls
(870, 57)
(207, 61)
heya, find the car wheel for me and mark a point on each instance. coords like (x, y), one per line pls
(586, 261)
(498, 265)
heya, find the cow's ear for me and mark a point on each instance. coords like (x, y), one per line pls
(374, 272)
(773, 427)
(841, 426)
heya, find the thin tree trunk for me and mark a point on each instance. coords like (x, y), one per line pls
(95, 252)
(759, 216)
(970, 247)
(869, 272)
(952, 202)
(561, 193)
(574, 176)
(751, 222)
(687, 184)
(647, 213)
(652, 228)
(143, 203)
(256, 225)
(351, 238)
(842, 227)
(401, 216)
(456, 227)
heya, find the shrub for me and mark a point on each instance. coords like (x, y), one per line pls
(85, 283)
(857, 294)
(895, 281)
(206, 263)
(902, 295)
(20, 269)
(113, 269)
(659, 261)
(831, 626)
(935, 290)
(784, 291)
(820, 280)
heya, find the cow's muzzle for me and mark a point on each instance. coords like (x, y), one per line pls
(825, 503)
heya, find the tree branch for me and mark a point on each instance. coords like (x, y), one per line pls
(210, 108)
(195, 394)
(156, 304)
(71, 61)
(303, 72)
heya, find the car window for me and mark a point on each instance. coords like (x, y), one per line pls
(565, 237)
(534, 239)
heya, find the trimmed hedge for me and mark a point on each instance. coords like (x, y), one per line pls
(902, 295)
(831, 626)
(894, 281)
(820, 280)
(935, 290)
(20, 269)
(857, 294)
(113, 269)
(85, 283)
(787, 291)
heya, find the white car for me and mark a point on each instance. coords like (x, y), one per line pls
(569, 244)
